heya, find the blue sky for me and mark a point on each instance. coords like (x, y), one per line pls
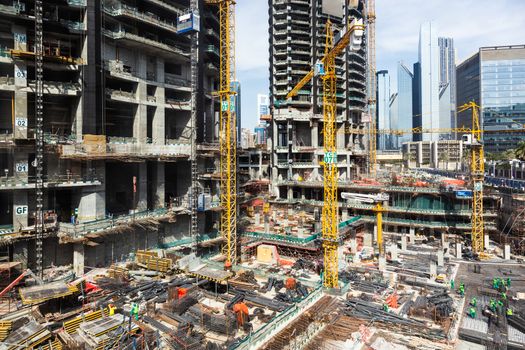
(472, 24)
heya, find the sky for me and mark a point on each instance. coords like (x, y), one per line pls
(472, 24)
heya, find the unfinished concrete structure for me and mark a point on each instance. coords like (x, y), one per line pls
(297, 42)
(117, 118)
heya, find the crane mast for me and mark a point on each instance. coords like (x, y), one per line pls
(329, 216)
(39, 136)
(477, 176)
(227, 130)
(372, 82)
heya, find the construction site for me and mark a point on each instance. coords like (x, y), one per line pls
(132, 218)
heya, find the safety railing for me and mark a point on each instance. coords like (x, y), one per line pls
(81, 229)
(263, 334)
(6, 229)
(18, 181)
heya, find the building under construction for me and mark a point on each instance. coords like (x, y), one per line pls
(123, 177)
(117, 131)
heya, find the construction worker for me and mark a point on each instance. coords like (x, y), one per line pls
(472, 312)
(493, 305)
(503, 295)
(509, 312)
(112, 309)
(500, 305)
(495, 283)
(452, 284)
(385, 307)
(508, 282)
(462, 289)
(134, 311)
(474, 302)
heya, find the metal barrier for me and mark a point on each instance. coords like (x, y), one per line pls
(279, 322)
(78, 230)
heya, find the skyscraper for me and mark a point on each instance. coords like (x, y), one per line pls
(393, 109)
(429, 80)
(297, 41)
(447, 74)
(494, 78)
(263, 106)
(404, 101)
(383, 108)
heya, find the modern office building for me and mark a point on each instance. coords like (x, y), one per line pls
(404, 102)
(494, 78)
(297, 41)
(117, 126)
(447, 75)
(383, 109)
(429, 80)
(263, 106)
(393, 110)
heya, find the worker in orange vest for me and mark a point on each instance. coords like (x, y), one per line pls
(242, 312)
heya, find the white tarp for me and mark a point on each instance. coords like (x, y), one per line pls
(333, 7)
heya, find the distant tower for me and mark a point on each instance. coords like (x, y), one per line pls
(383, 108)
(447, 73)
(429, 79)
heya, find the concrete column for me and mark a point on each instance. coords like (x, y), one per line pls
(344, 214)
(290, 193)
(160, 184)
(315, 133)
(486, 241)
(412, 235)
(142, 187)
(419, 154)
(21, 166)
(506, 252)
(433, 270)
(375, 233)
(78, 259)
(367, 239)
(92, 203)
(446, 249)
(353, 246)
(382, 263)
(393, 252)
(459, 254)
(158, 127)
(20, 251)
(140, 122)
(440, 258)
(404, 242)
(20, 210)
(76, 127)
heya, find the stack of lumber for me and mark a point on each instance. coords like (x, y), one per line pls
(29, 336)
(71, 326)
(5, 327)
(151, 261)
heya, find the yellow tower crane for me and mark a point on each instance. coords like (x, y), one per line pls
(372, 85)
(473, 139)
(227, 130)
(477, 176)
(330, 172)
(326, 69)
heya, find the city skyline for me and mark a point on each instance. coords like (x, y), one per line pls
(394, 43)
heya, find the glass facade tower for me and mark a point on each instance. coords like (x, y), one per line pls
(495, 78)
(429, 64)
(404, 101)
